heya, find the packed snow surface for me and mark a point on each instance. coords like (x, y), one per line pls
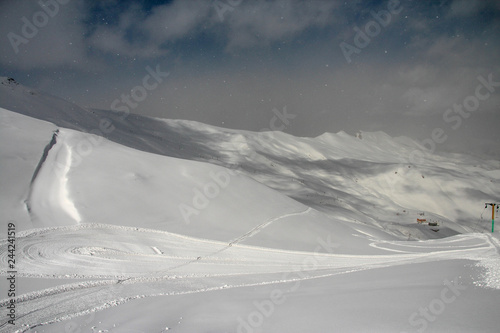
(134, 224)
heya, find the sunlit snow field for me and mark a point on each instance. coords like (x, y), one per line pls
(157, 225)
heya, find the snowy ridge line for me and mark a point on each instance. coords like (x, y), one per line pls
(67, 204)
(45, 153)
(48, 199)
(42, 160)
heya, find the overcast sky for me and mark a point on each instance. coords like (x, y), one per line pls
(406, 68)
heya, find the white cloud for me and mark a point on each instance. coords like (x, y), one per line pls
(65, 39)
(165, 24)
(249, 24)
(261, 22)
(177, 20)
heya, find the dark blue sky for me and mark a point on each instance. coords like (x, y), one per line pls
(335, 65)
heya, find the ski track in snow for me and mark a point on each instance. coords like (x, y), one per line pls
(238, 240)
(120, 263)
(259, 228)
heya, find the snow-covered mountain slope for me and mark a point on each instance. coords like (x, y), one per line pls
(170, 223)
(354, 178)
(163, 193)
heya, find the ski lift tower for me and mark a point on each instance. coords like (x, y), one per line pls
(493, 205)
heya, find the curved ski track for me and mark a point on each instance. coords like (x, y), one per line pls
(121, 263)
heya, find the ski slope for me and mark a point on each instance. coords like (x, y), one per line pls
(121, 264)
(179, 226)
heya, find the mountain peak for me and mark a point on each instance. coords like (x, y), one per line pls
(8, 81)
